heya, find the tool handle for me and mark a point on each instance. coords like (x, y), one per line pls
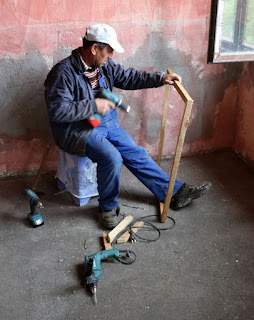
(95, 120)
(31, 194)
(105, 254)
(93, 265)
(106, 94)
(109, 95)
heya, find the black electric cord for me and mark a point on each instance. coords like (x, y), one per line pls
(148, 226)
(127, 258)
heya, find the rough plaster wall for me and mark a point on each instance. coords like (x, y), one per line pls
(244, 139)
(156, 34)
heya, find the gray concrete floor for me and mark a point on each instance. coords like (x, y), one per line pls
(200, 269)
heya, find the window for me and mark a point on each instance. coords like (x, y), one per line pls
(231, 31)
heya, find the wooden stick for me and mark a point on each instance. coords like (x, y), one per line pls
(126, 236)
(43, 161)
(177, 157)
(163, 122)
(188, 106)
(106, 243)
(183, 93)
(180, 89)
(120, 227)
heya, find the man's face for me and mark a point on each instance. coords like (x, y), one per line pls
(103, 55)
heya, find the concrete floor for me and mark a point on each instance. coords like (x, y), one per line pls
(200, 269)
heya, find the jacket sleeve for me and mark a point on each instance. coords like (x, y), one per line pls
(132, 79)
(59, 94)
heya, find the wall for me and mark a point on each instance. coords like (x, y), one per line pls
(244, 137)
(156, 34)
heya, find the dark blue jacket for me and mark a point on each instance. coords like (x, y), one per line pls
(70, 99)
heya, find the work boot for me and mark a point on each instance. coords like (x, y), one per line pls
(110, 219)
(187, 193)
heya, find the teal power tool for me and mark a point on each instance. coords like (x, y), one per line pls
(34, 216)
(109, 95)
(96, 119)
(93, 270)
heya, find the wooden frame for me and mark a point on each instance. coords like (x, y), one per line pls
(186, 115)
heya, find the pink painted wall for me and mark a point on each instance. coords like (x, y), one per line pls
(244, 138)
(156, 34)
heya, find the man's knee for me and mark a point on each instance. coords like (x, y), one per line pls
(109, 158)
(114, 159)
(139, 153)
(111, 166)
(136, 154)
(142, 153)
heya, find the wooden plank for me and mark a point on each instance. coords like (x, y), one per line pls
(188, 106)
(163, 123)
(180, 88)
(43, 162)
(177, 157)
(161, 207)
(120, 227)
(137, 226)
(183, 93)
(107, 244)
(126, 236)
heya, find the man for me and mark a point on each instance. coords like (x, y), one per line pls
(72, 88)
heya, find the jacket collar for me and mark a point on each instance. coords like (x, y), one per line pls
(76, 61)
(78, 65)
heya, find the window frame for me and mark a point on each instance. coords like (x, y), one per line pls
(216, 54)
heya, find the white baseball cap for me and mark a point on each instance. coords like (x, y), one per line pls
(105, 34)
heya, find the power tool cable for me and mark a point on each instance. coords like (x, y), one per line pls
(148, 226)
(93, 270)
(128, 254)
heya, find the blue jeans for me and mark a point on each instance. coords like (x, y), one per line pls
(110, 146)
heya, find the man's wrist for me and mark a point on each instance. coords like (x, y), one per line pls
(161, 77)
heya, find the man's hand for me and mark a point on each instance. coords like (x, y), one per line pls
(169, 78)
(104, 105)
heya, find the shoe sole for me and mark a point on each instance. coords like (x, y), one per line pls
(109, 224)
(206, 186)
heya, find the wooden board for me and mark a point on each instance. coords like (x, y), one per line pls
(163, 123)
(43, 162)
(107, 244)
(186, 115)
(120, 227)
(126, 236)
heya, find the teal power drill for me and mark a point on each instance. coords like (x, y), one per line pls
(34, 216)
(96, 119)
(93, 271)
(109, 95)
